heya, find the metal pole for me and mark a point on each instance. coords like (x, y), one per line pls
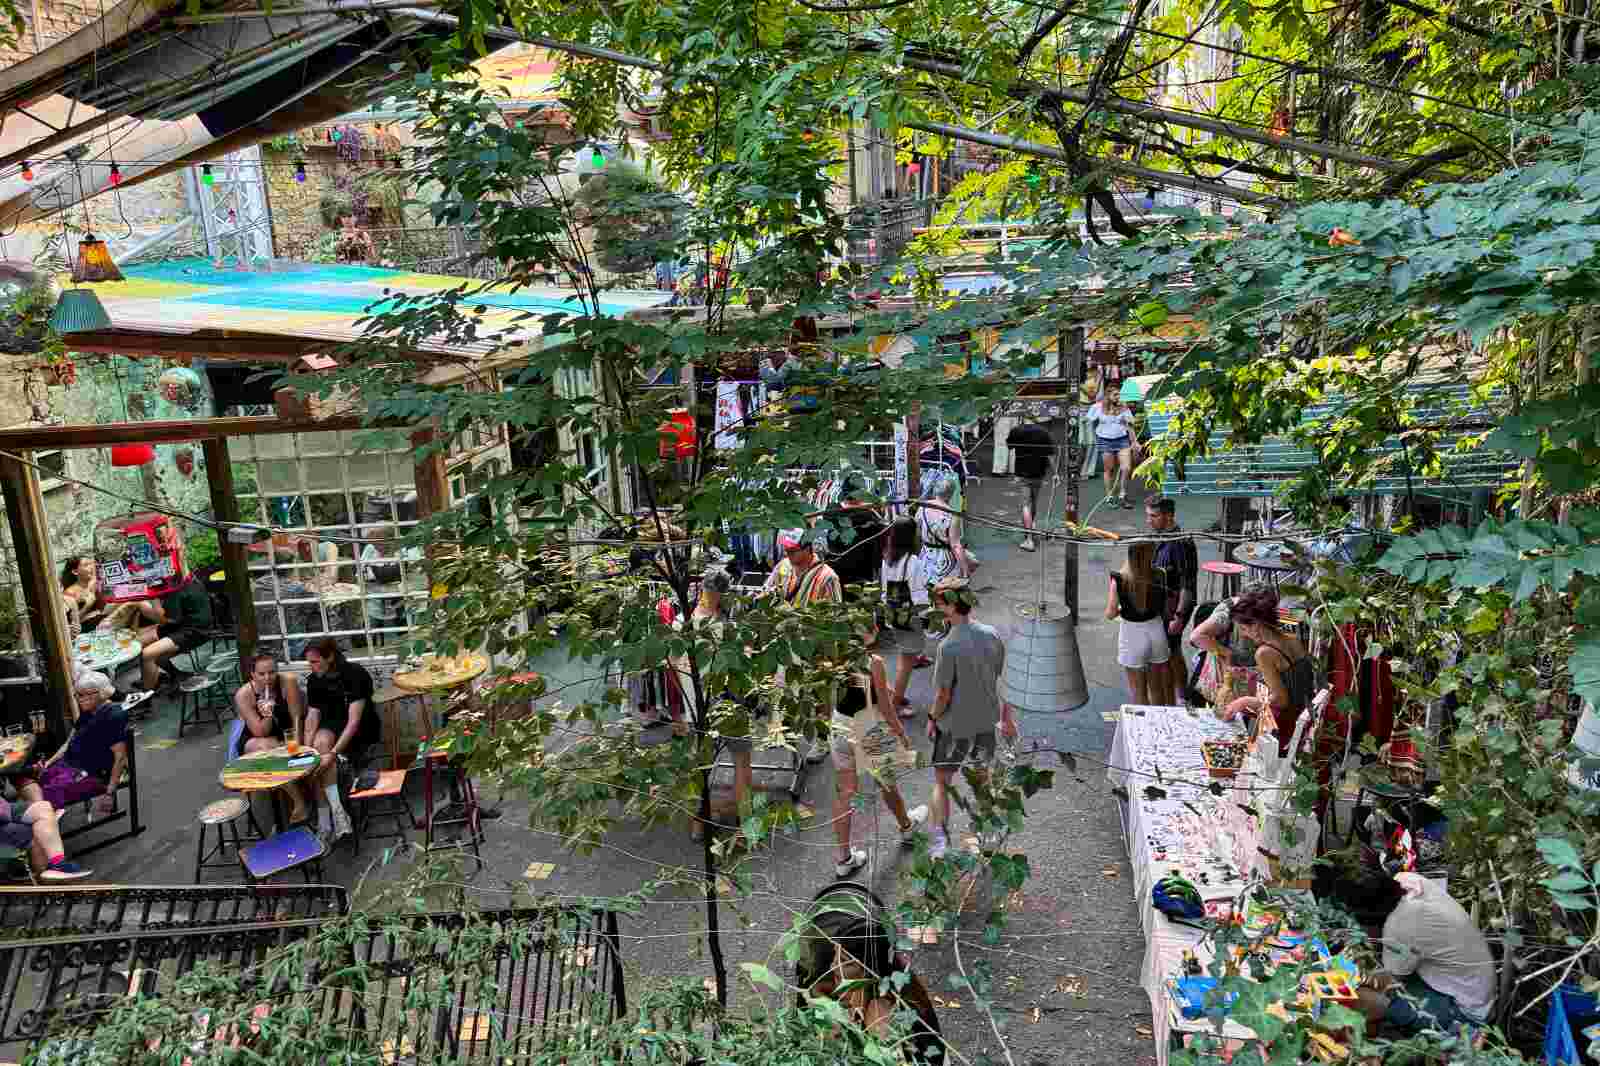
(1072, 369)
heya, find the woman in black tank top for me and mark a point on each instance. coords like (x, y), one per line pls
(271, 707)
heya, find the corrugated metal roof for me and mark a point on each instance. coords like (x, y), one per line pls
(307, 301)
(1258, 470)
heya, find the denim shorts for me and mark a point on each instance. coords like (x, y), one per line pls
(1110, 448)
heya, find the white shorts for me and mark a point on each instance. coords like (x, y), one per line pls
(1141, 644)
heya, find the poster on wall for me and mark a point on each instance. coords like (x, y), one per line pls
(729, 414)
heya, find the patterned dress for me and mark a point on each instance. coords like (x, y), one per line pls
(940, 530)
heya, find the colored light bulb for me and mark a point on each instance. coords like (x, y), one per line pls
(598, 159)
(914, 168)
(300, 171)
(206, 177)
(336, 136)
(27, 171)
(116, 175)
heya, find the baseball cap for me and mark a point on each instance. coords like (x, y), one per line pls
(790, 539)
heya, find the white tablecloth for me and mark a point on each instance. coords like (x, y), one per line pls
(1217, 842)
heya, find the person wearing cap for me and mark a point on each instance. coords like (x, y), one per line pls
(966, 703)
(801, 578)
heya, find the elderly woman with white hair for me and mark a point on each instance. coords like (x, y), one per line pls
(91, 762)
(940, 526)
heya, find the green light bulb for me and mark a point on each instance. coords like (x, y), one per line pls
(598, 159)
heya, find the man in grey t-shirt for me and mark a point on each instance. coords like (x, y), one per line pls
(966, 704)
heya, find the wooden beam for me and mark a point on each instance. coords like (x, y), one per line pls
(220, 349)
(25, 510)
(225, 508)
(45, 438)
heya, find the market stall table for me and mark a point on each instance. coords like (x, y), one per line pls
(270, 771)
(437, 675)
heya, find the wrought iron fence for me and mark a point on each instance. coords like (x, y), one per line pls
(480, 987)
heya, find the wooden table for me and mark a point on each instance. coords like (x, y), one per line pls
(270, 771)
(437, 675)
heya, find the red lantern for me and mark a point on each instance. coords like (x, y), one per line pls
(132, 454)
(140, 555)
(677, 434)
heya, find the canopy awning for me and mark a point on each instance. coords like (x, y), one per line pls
(189, 307)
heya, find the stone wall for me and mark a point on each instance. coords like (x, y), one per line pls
(57, 20)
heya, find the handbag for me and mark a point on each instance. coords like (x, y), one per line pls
(1212, 676)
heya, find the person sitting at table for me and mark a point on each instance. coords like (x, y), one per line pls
(271, 707)
(181, 619)
(1286, 667)
(80, 588)
(325, 555)
(30, 825)
(91, 762)
(340, 718)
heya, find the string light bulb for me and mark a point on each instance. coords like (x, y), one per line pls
(27, 171)
(300, 171)
(336, 136)
(206, 177)
(116, 174)
(598, 158)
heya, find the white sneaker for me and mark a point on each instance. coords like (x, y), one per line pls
(916, 816)
(341, 826)
(856, 861)
(938, 844)
(1028, 545)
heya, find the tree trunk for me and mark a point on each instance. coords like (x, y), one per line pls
(719, 968)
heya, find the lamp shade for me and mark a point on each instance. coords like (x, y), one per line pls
(79, 311)
(132, 454)
(94, 261)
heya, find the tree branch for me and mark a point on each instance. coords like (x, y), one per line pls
(1037, 37)
(1395, 182)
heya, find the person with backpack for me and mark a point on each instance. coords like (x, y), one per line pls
(904, 590)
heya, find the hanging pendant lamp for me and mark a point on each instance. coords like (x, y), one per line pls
(79, 311)
(132, 454)
(1044, 668)
(95, 262)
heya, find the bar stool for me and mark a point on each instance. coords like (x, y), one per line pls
(1223, 577)
(198, 696)
(461, 810)
(223, 816)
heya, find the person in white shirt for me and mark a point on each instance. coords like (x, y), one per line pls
(1115, 437)
(904, 589)
(1437, 970)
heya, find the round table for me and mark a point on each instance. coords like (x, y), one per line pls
(269, 771)
(15, 752)
(436, 675)
(99, 650)
(1265, 560)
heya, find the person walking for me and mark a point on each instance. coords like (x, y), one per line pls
(1136, 597)
(1178, 560)
(966, 706)
(1115, 437)
(1033, 447)
(905, 597)
(940, 529)
(861, 722)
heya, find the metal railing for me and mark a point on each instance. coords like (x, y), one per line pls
(476, 987)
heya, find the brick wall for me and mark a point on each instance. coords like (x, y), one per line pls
(57, 20)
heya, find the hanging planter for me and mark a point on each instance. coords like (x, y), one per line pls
(180, 385)
(64, 372)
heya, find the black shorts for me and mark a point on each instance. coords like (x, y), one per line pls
(185, 638)
(958, 751)
(1035, 486)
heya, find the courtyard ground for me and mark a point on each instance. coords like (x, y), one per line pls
(1066, 970)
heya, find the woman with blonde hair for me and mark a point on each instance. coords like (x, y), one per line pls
(1135, 596)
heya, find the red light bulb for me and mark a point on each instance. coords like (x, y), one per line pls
(27, 171)
(116, 175)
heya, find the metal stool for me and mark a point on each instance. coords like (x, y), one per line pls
(385, 800)
(461, 810)
(223, 815)
(223, 665)
(196, 696)
(1225, 575)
